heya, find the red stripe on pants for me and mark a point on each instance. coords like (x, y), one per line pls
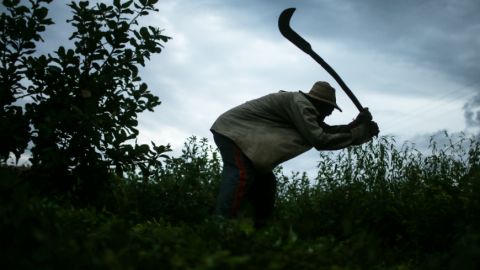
(242, 181)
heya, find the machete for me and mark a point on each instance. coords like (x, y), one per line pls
(302, 44)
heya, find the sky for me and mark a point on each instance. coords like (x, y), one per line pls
(414, 64)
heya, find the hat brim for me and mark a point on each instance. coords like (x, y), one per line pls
(323, 100)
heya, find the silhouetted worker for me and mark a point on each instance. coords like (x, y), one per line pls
(260, 134)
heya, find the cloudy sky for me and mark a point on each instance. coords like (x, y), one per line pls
(415, 64)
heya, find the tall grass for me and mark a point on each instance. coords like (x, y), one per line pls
(394, 198)
(377, 206)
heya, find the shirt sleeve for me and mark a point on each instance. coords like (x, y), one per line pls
(323, 137)
(335, 129)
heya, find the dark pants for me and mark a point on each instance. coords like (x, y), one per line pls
(243, 185)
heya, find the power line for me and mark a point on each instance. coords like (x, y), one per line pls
(441, 101)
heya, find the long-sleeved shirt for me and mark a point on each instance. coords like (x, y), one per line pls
(277, 127)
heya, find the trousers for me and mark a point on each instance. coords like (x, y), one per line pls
(241, 184)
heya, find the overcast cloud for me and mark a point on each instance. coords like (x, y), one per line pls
(415, 64)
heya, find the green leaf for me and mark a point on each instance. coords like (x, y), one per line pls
(22, 10)
(165, 38)
(40, 28)
(137, 35)
(144, 148)
(133, 122)
(143, 87)
(61, 51)
(10, 3)
(83, 4)
(29, 45)
(70, 53)
(144, 33)
(128, 54)
(47, 21)
(41, 13)
(127, 4)
(109, 39)
(111, 24)
(96, 66)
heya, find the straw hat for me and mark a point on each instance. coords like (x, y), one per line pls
(322, 91)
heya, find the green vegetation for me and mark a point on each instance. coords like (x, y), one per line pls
(78, 106)
(371, 207)
(95, 199)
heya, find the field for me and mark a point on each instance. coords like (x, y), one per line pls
(379, 206)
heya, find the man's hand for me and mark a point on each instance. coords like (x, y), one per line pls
(360, 134)
(364, 132)
(373, 128)
(363, 117)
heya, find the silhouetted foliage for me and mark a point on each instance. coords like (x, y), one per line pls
(81, 102)
(20, 28)
(377, 206)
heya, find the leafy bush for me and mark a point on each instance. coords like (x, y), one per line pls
(405, 210)
(80, 104)
(396, 198)
(182, 189)
(20, 29)
(128, 206)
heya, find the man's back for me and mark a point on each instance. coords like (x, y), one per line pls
(276, 127)
(258, 135)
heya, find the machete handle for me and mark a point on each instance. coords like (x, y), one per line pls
(337, 78)
(288, 33)
(302, 44)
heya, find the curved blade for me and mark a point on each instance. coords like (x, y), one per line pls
(302, 44)
(288, 33)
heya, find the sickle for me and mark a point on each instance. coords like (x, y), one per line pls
(302, 44)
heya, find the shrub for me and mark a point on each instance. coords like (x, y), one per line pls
(409, 210)
(81, 103)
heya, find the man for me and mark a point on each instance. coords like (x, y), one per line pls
(255, 137)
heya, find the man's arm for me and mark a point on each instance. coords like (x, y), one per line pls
(372, 126)
(334, 129)
(304, 116)
(363, 117)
